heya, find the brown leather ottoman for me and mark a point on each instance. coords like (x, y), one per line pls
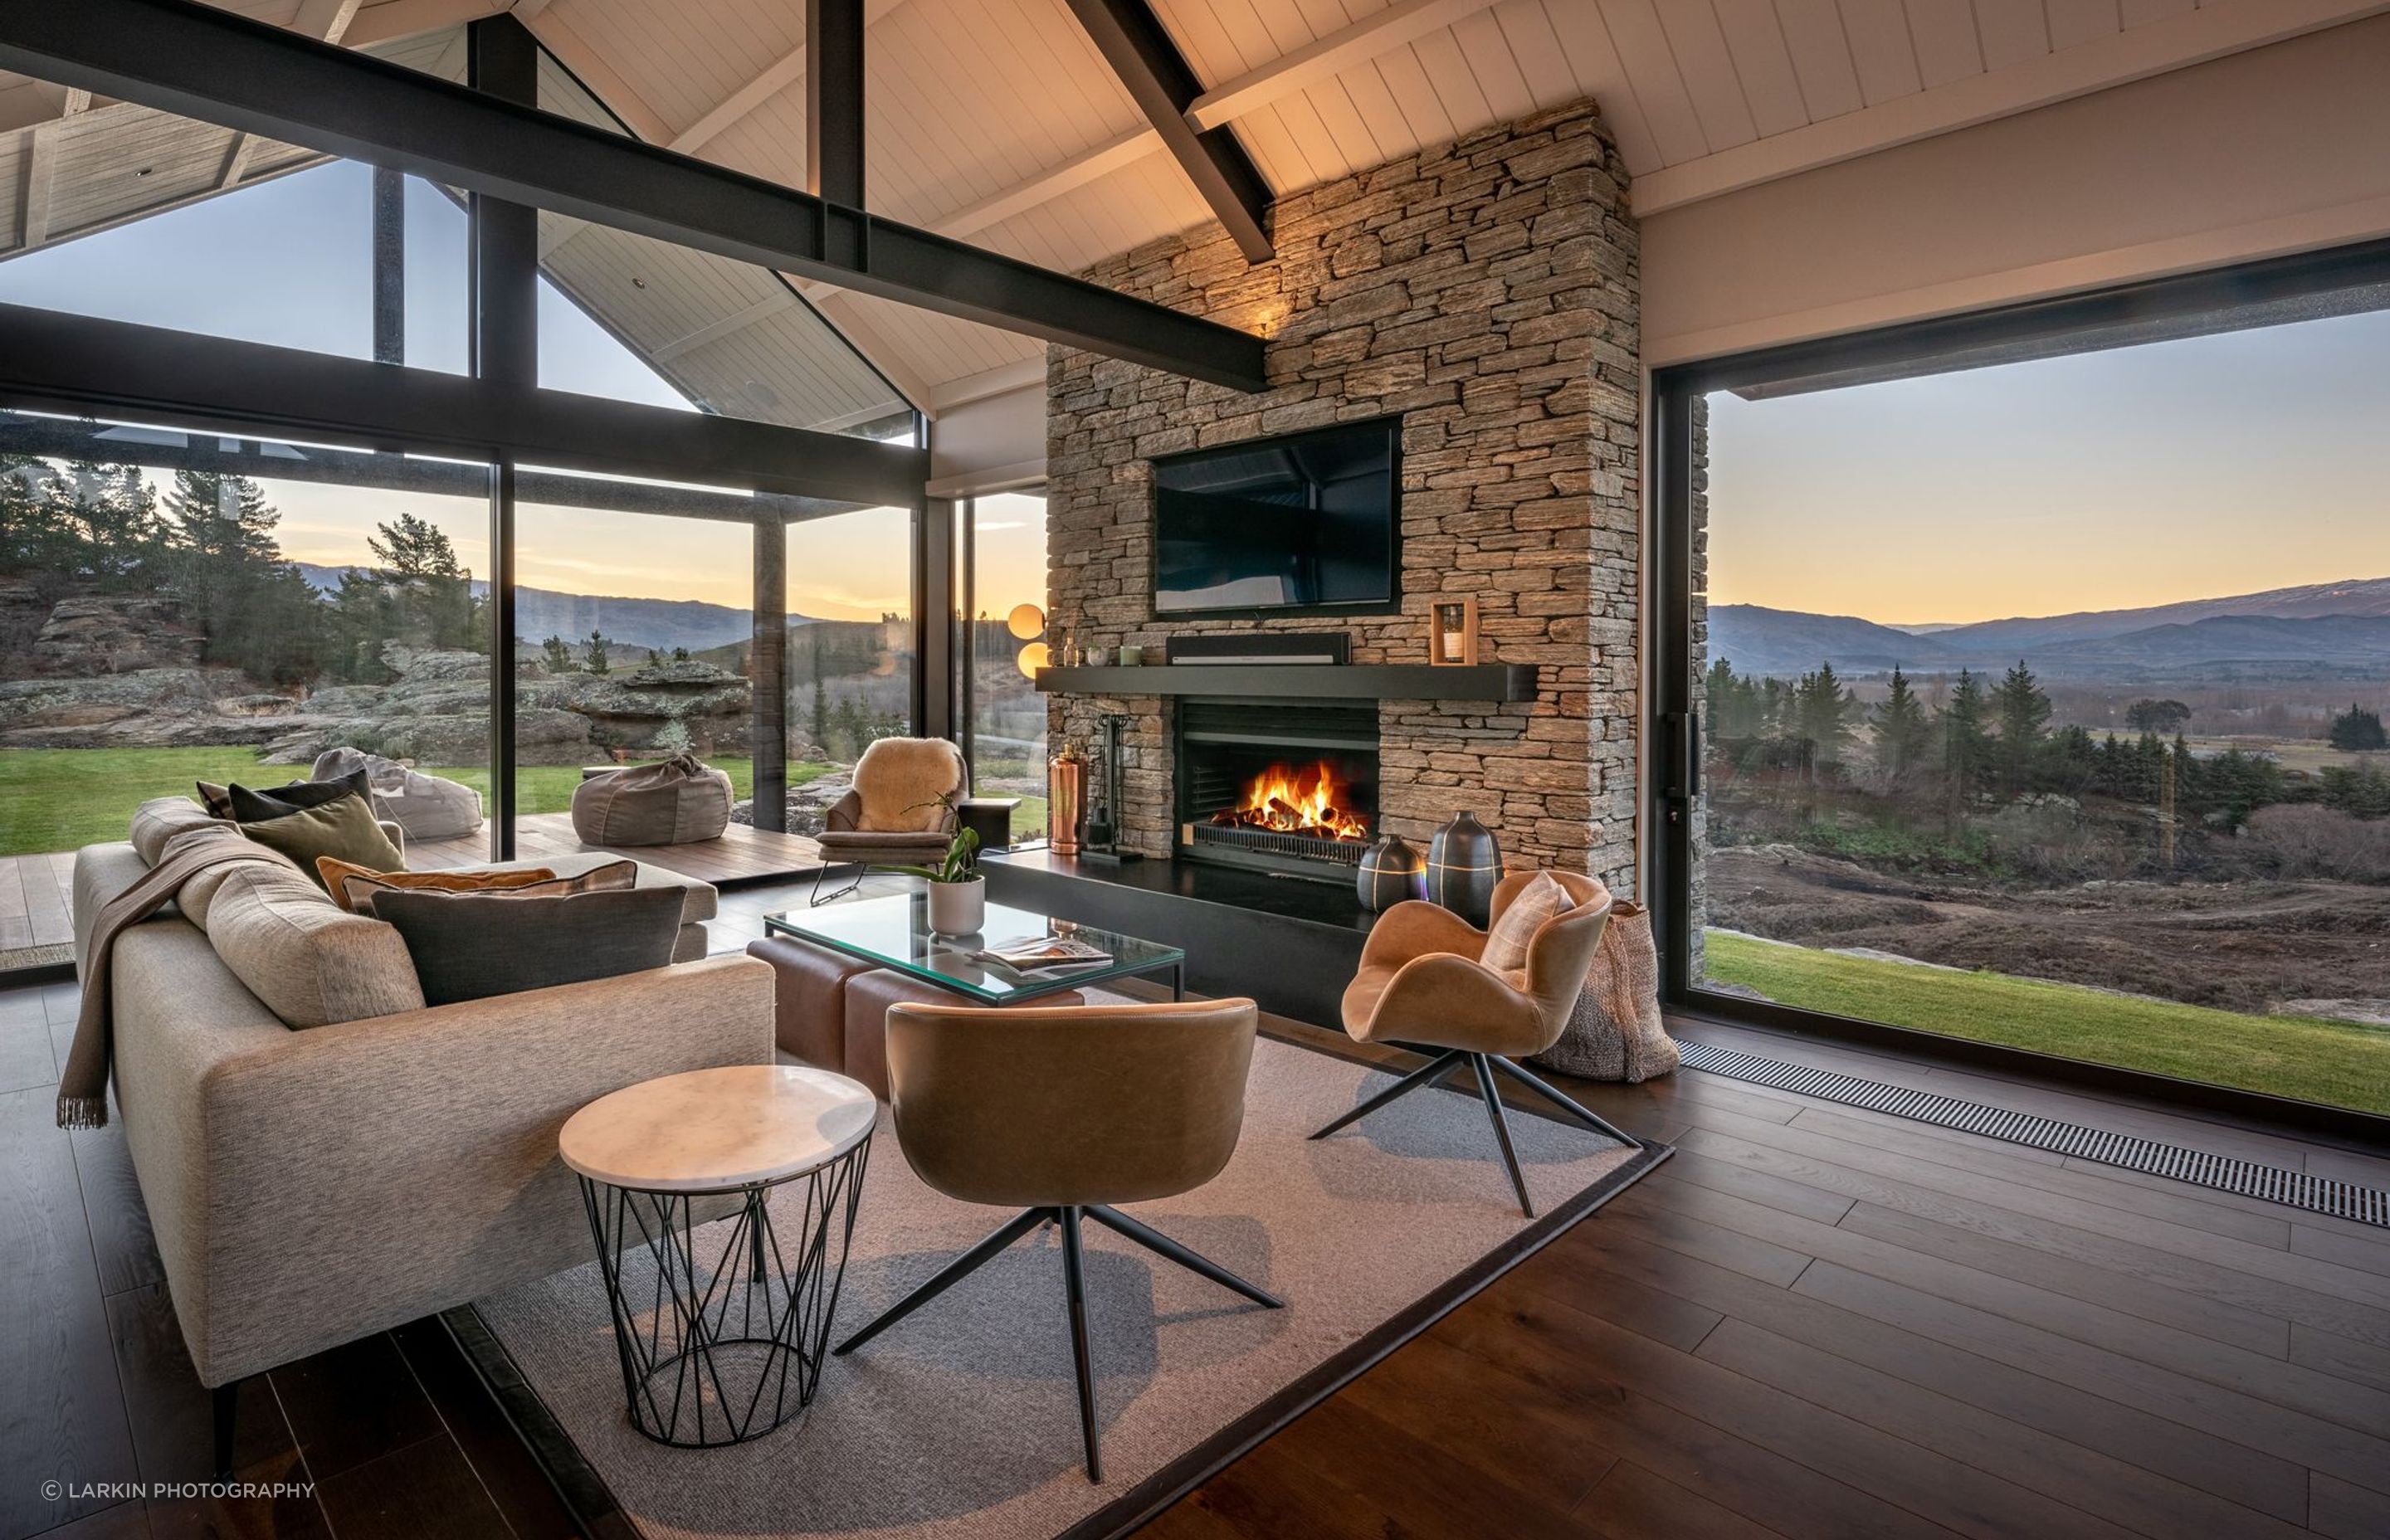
(869, 996)
(809, 1001)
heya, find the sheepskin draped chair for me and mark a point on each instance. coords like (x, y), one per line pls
(890, 815)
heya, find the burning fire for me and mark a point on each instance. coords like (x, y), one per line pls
(1290, 800)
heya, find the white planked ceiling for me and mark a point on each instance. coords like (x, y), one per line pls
(996, 122)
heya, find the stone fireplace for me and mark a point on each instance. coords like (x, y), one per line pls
(1486, 293)
(1283, 786)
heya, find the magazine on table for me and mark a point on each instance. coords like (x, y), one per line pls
(1043, 955)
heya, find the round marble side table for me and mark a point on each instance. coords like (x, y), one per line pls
(717, 1352)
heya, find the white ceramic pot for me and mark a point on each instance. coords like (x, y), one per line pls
(958, 909)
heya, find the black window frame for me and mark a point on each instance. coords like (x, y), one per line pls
(2275, 291)
(498, 415)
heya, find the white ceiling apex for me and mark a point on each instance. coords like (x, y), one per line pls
(777, 77)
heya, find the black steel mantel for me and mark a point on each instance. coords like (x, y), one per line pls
(1497, 682)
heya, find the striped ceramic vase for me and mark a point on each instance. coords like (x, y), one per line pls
(1463, 864)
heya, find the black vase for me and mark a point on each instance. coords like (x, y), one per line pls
(1463, 864)
(1390, 872)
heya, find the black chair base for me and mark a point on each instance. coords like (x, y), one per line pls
(1075, 1289)
(1449, 1060)
(862, 870)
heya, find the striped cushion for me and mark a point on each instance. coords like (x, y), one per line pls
(1505, 944)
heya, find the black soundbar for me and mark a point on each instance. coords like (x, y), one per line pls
(1261, 647)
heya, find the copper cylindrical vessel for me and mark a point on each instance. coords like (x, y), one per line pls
(1066, 799)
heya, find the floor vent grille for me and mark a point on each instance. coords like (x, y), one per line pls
(2222, 1173)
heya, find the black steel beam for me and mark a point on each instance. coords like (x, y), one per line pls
(75, 363)
(834, 101)
(222, 68)
(1133, 42)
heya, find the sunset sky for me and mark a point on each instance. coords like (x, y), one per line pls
(288, 262)
(2211, 467)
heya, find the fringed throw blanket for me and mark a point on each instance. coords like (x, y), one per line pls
(82, 1087)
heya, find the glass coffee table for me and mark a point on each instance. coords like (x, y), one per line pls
(894, 932)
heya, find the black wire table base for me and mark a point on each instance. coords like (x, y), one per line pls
(722, 1355)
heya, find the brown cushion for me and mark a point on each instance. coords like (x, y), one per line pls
(1506, 942)
(469, 946)
(216, 799)
(355, 886)
(343, 829)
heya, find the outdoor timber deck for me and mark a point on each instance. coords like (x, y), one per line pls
(37, 892)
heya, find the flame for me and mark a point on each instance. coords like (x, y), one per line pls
(1299, 799)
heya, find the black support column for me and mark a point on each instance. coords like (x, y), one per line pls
(767, 674)
(834, 101)
(933, 617)
(502, 59)
(389, 266)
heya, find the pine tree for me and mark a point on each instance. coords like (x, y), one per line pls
(34, 536)
(256, 612)
(1966, 741)
(2023, 711)
(821, 716)
(2359, 730)
(557, 655)
(433, 591)
(593, 653)
(1824, 712)
(1902, 733)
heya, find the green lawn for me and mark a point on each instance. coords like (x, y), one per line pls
(2285, 1055)
(63, 799)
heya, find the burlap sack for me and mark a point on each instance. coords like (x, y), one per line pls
(1615, 1031)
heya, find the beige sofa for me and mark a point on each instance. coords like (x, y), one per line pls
(308, 1187)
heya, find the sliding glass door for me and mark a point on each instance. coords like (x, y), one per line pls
(2037, 693)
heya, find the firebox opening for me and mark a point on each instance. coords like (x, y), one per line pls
(1286, 786)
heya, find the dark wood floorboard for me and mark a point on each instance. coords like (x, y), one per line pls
(1814, 1321)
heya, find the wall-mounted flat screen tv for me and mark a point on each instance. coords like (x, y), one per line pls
(1311, 521)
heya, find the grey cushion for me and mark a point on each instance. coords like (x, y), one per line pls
(159, 819)
(250, 807)
(469, 946)
(310, 961)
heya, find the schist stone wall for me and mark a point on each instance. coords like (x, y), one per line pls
(1487, 291)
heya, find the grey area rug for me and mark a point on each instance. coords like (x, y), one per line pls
(962, 1420)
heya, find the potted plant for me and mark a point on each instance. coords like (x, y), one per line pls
(957, 891)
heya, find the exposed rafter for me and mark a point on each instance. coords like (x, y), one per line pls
(1164, 86)
(391, 18)
(1315, 61)
(210, 64)
(42, 169)
(326, 20)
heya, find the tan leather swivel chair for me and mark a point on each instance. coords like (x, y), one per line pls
(1068, 1111)
(1421, 987)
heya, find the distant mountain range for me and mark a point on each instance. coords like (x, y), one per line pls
(660, 624)
(2321, 630)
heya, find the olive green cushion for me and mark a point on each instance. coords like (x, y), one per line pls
(343, 829)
